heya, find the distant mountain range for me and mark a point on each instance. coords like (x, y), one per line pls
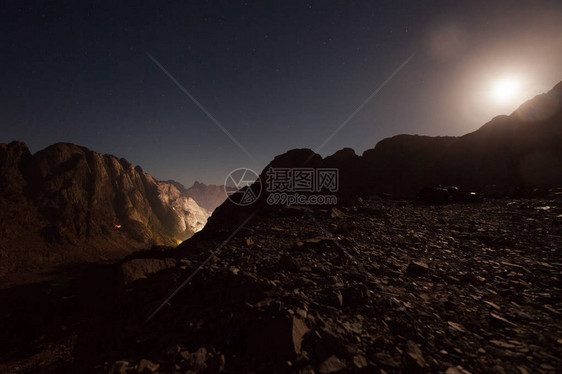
(511, 154)
(67, 203)
(207, 196)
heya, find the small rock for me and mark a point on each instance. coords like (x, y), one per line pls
(331, 365)
(119, 367)
(335, 298)
(185, 355)
(456, 326)
(185, 262)
(146, 366)
(387, 360)
(414, 358)
(417, 267)
(499, 318)
(302, 312)
(457, 370)
(336, 213)
(495, 306)
(501, 344)
(359, 362)
(307, 370)
(199, 358)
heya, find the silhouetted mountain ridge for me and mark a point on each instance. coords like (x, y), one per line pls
(509, 154)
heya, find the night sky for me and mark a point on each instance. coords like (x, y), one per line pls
(276, 75)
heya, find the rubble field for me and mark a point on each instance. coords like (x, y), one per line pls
(378, 286)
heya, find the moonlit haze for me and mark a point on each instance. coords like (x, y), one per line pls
(275, 77)
(506, 89)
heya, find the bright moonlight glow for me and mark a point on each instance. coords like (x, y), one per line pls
(506, 90)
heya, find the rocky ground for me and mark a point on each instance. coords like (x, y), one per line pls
(374, 286)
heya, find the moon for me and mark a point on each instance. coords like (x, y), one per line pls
(506, 90)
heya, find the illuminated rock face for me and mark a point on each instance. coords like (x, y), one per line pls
(207, 196)
(73, 204)
(191, 216)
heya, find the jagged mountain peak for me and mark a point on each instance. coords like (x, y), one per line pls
(198, 184)
(296, 157)
(343, 154)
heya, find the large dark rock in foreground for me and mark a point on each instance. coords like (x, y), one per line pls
(67, 203)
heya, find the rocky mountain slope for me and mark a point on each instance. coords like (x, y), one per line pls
(67, 203)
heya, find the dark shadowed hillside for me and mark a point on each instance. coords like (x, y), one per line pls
(400, 165)
(514, 153)
(509, 155)
(522, 150)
